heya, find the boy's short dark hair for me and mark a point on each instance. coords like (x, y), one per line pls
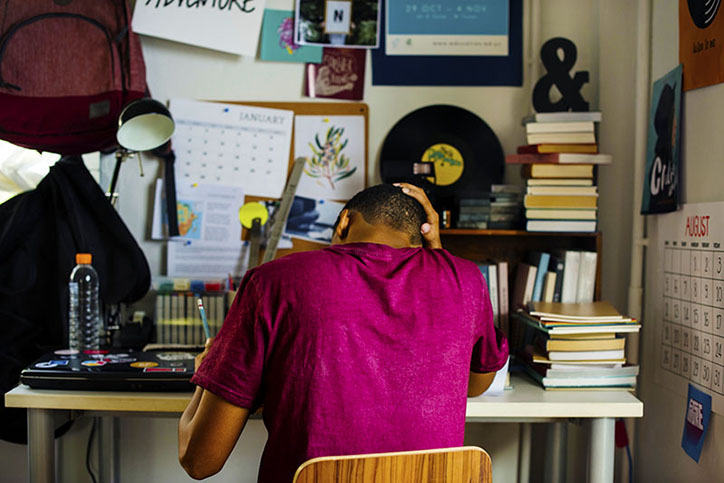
(387, 204)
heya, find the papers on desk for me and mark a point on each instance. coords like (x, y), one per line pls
(498, 385)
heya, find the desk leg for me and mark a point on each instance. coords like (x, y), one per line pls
(601, 450)
(41, 446)
(524, 456)
(108, 446)
(555, 466)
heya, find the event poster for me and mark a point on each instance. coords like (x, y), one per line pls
(341, 75)
(661, 181)
(232, 26)
(340, 23)
(701, 42)
(463, 69)
(277, 40)
(334, 149)
(458, 27)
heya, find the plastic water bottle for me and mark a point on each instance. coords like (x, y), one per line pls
(84, 318)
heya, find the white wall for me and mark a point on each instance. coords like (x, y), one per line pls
(659, 453)
(148, 446)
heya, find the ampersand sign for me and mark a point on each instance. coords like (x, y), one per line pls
(558, 75)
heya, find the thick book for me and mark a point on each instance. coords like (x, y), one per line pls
(559, 182)
(569, 126)
(591, 148)
(581, 370)
(549, 286)
(602, 355)
(557, 170)
(586, 274)
(562, 190)
(561, 226)
(539, 260)
(564, 116)
(584, 382)
(571, 262)
(573, 345)
(561, 138)
(523, 286)
(559, 158)
(560, 214)
(605, 328)
(561, 201)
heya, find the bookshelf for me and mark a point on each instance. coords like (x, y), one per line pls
(513, 245)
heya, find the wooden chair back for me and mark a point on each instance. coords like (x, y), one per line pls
(446, 465)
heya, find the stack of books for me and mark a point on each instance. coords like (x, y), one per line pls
(499, 209)
(558, 162)
(578, 345)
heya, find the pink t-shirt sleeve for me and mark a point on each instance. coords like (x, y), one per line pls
(490, 352)
(233, 368)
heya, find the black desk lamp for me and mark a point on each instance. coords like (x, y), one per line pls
(144, 124)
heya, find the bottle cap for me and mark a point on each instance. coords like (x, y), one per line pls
(83, 258)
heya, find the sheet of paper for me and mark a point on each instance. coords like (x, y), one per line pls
(498, 385)
(277, 40)
(338, 23)
(229, 26)
(312, 219)
(334, 147)
(233, 145)
(201, 260)
(205, 212)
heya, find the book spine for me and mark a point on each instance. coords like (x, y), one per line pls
(493, 290)
(558, 289)
(543, 260)
(504, 297)
(586, 277)
(570, 276)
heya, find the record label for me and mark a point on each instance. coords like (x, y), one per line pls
(448, 163)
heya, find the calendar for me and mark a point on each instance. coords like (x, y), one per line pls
(691, 289)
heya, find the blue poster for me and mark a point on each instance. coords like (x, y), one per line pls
(277, 40)
(698, 413)
(661, 180)
(491, 55)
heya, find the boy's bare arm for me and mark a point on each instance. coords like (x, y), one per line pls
(479, 383)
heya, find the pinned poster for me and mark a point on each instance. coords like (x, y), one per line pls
(230, 26)
(342, 23)
(701, 42)
(277, 40)
(341, 75)
(661, 181)
(696, 422)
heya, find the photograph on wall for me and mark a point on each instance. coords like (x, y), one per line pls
(277, 40)
(661, 181)
(456, 27)
(342, 23)
(312, 219)
(701, 42)
(233, 29)
(451, 62)
(334, 148)
(341, 75)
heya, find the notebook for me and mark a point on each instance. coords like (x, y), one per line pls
(112, 370)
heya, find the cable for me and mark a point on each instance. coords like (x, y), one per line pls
(88, 451)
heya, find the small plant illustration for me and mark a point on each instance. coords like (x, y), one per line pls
(328, 161)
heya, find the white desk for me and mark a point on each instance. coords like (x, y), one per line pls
(525, 403)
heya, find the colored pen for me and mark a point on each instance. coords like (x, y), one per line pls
(203, 319)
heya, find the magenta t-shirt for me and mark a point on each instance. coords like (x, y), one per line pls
(356, 348)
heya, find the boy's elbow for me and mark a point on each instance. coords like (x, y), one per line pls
(196, 468)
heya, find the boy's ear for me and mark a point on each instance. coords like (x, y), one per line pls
(343, 226)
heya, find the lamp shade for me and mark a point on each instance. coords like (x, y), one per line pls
(144, 124)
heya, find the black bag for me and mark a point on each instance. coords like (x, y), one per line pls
(40, 233)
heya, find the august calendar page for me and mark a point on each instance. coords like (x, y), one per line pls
(690, 318)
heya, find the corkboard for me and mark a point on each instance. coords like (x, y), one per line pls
(312, 109)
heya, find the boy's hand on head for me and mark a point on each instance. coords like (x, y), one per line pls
(430, 230)
(200, 357)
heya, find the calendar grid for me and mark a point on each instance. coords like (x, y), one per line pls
(693, 312)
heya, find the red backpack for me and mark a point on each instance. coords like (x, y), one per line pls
(67, 69)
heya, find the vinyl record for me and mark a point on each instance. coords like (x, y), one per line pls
(466, 154)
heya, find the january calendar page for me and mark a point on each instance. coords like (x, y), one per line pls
(690, 318)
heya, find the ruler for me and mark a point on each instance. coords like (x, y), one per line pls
(281, 213)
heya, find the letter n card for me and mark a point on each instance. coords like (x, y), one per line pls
(698, 413)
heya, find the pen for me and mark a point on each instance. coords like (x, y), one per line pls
(203, 318)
